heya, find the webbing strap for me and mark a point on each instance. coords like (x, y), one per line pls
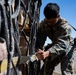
(73, 27)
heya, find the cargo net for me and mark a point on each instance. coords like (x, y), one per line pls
(18, 23)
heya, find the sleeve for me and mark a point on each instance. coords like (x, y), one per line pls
(62, 45)
(41, 37)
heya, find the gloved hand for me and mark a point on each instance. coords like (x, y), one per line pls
(42, 54)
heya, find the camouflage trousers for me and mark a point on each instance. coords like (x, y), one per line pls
(66, 63)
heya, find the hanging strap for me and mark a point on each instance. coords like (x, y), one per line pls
(75, 37)
(73, 27)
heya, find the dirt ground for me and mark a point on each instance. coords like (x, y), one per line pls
(56, 74)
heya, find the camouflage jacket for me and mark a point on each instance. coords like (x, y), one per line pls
(60, 35)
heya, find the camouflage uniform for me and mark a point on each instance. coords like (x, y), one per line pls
(61, 47)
